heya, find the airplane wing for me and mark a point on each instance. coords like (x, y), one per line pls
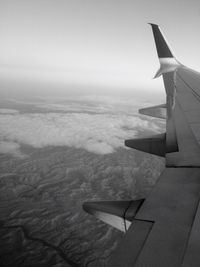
(163, 230)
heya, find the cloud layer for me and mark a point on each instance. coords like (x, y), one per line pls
(8, 111)
(98, 133)
(11, 148)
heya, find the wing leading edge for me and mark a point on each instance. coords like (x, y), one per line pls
(164, 229)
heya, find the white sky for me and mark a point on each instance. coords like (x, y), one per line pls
(94, 42)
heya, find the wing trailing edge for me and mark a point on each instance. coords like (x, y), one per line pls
(155, 111)
(154, 144)
(118, 214)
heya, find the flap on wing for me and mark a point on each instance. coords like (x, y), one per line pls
(118, 214)
(154, 145)
(155, 111)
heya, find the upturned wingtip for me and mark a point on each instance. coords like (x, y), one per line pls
(153, 24)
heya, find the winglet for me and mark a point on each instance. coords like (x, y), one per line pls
(168, 62)
(163, 49)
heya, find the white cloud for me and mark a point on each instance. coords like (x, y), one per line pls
(8, 111)
(94, 104)
(11, 148)
(99, 133)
